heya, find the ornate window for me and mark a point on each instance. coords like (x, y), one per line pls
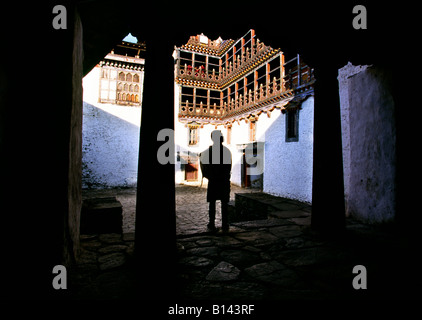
(136, 78)
(129, 77)
(122, 76)
(193, 135)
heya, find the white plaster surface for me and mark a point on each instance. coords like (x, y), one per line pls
(110, 140)
(344, 75)
(289, 165)
(369, 144)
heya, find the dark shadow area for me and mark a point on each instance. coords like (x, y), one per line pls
(277, 259)
(40, 167)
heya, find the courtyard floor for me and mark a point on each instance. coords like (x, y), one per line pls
(279, 258)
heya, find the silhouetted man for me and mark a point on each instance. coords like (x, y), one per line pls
(216, 163)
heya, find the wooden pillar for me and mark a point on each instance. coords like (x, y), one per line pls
(252, 37)
(255, 83)
(220, 67)
(282, 73)
(245, 89)
(299, 71)
(155, 239)
(228, 97)
(194, 99)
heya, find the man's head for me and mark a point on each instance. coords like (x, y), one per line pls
(217, 137)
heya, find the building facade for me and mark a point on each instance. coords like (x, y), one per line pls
(111, 118)
(122, 75)
(262, 104)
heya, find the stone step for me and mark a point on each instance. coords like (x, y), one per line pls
(101, 215)
(260, 205)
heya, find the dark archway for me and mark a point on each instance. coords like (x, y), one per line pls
(36, 158)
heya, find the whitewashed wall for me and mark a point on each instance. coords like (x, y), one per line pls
(369, 143)
(288, 165)
(110, 140)
(343, 77)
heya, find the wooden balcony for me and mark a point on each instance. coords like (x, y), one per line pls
(224, 76)
(201, 110)
(298, 79)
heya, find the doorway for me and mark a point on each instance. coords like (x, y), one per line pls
(191, 170)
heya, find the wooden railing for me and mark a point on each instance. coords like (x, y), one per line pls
(224, 74)
(199, 74)
(201, 110)
(298, 75)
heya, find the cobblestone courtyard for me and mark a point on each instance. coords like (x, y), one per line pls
(279, 258)
(191, 206)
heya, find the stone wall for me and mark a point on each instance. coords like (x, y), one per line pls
(369, 143)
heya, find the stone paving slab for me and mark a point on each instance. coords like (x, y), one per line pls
(224, 271)
(192, 208)
(278, 258)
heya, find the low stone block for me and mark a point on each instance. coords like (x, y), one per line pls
(101, 215)
(247, 208)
